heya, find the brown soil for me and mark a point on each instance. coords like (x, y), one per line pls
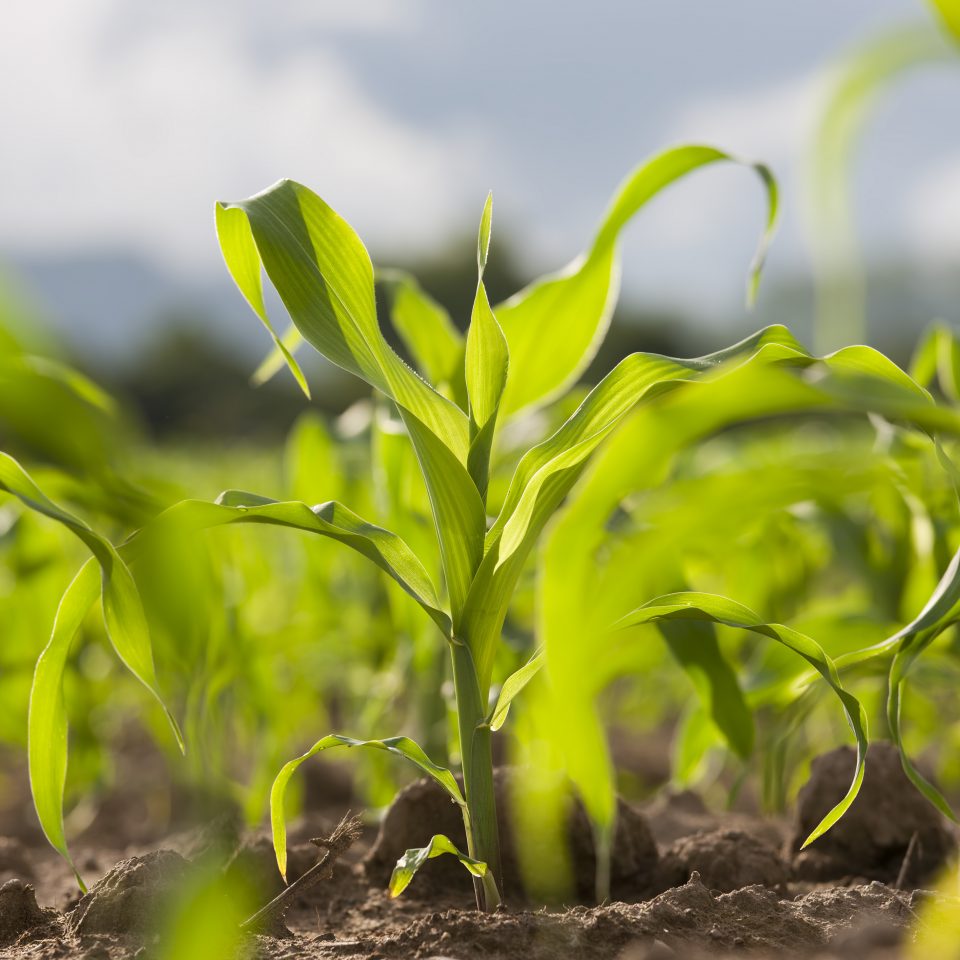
(688, 884)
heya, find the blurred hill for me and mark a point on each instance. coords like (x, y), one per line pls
(181, 352)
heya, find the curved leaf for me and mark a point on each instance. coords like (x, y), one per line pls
(716, 609)
(571, 310)
(323, 274)
(415, 858)
(124, 619)
(331, 519)
(401, 746)
(243, 263)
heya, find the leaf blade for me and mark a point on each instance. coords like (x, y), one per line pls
(401, 746)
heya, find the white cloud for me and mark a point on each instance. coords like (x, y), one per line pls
(119, 134)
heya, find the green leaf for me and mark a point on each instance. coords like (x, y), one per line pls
(401, 746)
(124, 619)
(485, 365)
(694, 646)
(512, 686)
(949, 13)
(416, 857)
(547, 472)
(716, 609)
(941, 611)
(324, 277)
(459, 515)
(555, 326)
(47, 717)
(903, 660)
(331, 519)
(425, 328)
(243, 263)
(639, 376)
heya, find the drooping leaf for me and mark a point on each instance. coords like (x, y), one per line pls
(415, 858)
(243, 263)
(323, 274)
(401, 746)
(124, 619)
(712, 608)
(570, 311)
(330, 519)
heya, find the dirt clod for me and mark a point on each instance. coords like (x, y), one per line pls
(725, 860)
(19, 911)
(872, 838)
(423, 809)
(132, 898)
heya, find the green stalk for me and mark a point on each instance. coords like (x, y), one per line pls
(480, 815)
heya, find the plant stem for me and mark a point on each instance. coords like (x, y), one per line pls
(480, 818)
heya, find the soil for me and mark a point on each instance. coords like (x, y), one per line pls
(687, 883)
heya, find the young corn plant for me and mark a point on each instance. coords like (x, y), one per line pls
(514, 358)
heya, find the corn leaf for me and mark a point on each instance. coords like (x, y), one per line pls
(415, 858)
(458, 512)
(124, 619)
(401, 746)
(47, 717)
(425, 328)
(512, 686)
(715, 609)
(694, 646)
(571, 310)
(903, 660)
(485, 365)
(547, 472)
(331, 519)
(243, 263)
(324, 277)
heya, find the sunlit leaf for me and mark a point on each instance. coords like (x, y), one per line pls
(401, 746)
(47, 723)
(512, 686)
(485, 365)
(330, 519)
(555, 326)
(416, 857)
(324, 277)
(714, 609)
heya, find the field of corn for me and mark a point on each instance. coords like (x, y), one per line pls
(499, 662)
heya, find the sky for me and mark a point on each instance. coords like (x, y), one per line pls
(123, 121)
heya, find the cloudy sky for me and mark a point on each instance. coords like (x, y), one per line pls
(124, 120)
